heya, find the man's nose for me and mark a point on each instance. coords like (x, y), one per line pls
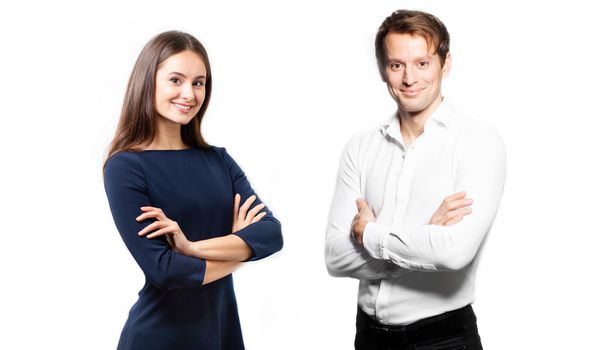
(409, 76)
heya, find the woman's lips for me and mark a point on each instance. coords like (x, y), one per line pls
(182, 107)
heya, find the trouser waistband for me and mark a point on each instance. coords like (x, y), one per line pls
(443, 325)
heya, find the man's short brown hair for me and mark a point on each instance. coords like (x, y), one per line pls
(415, 23)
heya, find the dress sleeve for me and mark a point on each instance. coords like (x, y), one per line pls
(264, 236)
(343, 258)
(481, 173)
(126, 190)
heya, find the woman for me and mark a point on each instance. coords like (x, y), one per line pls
(176, 203)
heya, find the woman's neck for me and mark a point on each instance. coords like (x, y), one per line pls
(167, 136)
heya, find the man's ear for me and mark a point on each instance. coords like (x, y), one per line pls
(447, 65)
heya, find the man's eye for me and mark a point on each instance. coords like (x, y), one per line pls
(423, 64)
(396, 66)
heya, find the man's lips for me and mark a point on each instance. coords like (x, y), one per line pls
(411, 92)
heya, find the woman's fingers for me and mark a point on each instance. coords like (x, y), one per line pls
(151, 212)
(243, 216)
(246, 205)
(252, 213)
(163, 231)
(152, 227)
(148, 215)
(236, 206)
(258, 217)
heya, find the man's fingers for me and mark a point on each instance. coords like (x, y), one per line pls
(455, 196)
(453, 217)
(361, 204)
(453, 221)
(460, 203)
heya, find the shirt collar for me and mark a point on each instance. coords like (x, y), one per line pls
(440, 118)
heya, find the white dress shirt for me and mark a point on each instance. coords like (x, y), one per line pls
(409, 269)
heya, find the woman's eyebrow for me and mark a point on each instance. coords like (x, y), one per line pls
(184, 76)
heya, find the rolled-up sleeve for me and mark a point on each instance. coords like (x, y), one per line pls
(126, 190)
(264, 237)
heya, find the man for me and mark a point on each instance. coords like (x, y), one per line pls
(415, 253)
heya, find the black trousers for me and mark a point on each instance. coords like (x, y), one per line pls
(452, 330)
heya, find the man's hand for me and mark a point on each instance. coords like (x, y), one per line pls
(360, 220)
(452, 210)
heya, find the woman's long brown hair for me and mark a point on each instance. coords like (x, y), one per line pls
(136, 125)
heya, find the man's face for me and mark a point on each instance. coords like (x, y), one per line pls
(413, 73)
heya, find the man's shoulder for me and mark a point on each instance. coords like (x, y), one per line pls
(473, 132)
(363, 138)
(470, 126)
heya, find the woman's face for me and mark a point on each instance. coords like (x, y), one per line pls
(180, 87)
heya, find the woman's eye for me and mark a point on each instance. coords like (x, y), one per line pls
(175, 80)
(198, 84)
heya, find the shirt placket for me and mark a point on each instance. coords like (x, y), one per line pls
(384, 310)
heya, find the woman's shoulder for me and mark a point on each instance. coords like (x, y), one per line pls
(123, 158)
(123, 162)
(221, 155)
(218, 151)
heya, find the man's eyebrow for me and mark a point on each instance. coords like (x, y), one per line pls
(426, 57)
(184, 76)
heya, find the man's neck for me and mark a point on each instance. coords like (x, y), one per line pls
(413, 123)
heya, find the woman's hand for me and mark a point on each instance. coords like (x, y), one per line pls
(164, 226)
(452, 210)
(242, 217)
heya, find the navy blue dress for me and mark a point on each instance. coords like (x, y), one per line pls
(194, 187)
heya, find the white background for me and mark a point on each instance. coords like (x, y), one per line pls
(293, 81)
